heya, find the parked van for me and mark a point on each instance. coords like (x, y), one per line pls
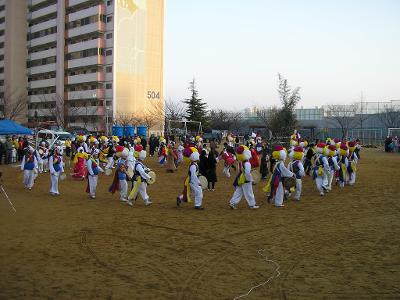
(51, 137)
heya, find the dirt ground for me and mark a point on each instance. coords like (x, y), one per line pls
(342, 246)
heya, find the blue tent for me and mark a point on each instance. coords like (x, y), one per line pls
(8, 127)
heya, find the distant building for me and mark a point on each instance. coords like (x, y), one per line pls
(13, 79)
(88, 61)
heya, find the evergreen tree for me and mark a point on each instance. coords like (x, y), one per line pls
(196, 108)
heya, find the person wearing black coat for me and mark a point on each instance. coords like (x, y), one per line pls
(203, 163)
(143, 142)
(264, 163)
(212, 169)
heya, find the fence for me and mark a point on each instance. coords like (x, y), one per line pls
(370, 136)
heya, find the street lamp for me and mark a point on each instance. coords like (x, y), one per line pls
(107, 109)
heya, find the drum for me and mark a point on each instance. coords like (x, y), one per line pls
(289, 182)
(63, 176)
(203, 182)
(108, 172)
(153, 177)
(256, 176)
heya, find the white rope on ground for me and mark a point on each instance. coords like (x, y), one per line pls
(6, 196)
(277, 273)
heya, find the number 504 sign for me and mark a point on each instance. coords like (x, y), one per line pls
(153, 95)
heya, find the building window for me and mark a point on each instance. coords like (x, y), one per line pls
(109, 69)
(109, 2)
(109, 35)
(109, 52)
(109, 86)
(109, 19)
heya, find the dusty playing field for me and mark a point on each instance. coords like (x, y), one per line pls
(343, 246)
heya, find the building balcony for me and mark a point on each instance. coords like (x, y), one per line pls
(41, 98)
(43, 11)
(91, 11)
(2, 13)
(42, 54)
(92, 77)
(42, 83)
(42, 69)
(41, 112)
(88, 94)
(43, 25)
(87, 61)
(75, 2)
(1, 76)
(94, 27)
(43, 40)
(87, 111)
(96, 43)
(109, 94)
(35, 2)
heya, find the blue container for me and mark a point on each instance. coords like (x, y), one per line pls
(129, 130)
(118, 130)
(142, 131)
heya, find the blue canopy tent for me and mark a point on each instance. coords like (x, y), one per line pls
(9, 127)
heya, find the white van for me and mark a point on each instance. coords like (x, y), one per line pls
(51, 137)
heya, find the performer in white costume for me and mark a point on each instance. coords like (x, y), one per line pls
(244, 181)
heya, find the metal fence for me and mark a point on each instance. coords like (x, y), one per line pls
(370, 136)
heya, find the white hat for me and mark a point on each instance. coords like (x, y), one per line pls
(247, 154)
(142, 155)
(195, 156)
(125, 153)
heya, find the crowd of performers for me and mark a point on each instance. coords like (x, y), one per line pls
(330, 162)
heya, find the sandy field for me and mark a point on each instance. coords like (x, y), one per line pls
(342, 246)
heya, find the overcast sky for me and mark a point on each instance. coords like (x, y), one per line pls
(333, 50)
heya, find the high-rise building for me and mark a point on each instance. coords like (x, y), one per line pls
(13, 80)
(91, 61)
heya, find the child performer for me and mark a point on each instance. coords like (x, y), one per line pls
(321, 169)
(343, 163)
(93, 168)
(56, 167)
(353, 160)
(279, 171)
(244, 181)
(228, 159)
(79, 160)
(140, 178)
(120, 178)
(333, 165)
(192, 182)
(28, 164)
(297, 168)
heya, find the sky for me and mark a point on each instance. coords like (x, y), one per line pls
(334, 50)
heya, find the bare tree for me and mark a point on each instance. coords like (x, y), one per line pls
(174, 110)
(60, 111)
(236, 121)
(361, 112)
(390, 116)
(125, 119)
(220, 119)
(342, 116)
(13, 103)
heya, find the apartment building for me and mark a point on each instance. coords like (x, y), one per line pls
(12, 59)
(89, 61)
